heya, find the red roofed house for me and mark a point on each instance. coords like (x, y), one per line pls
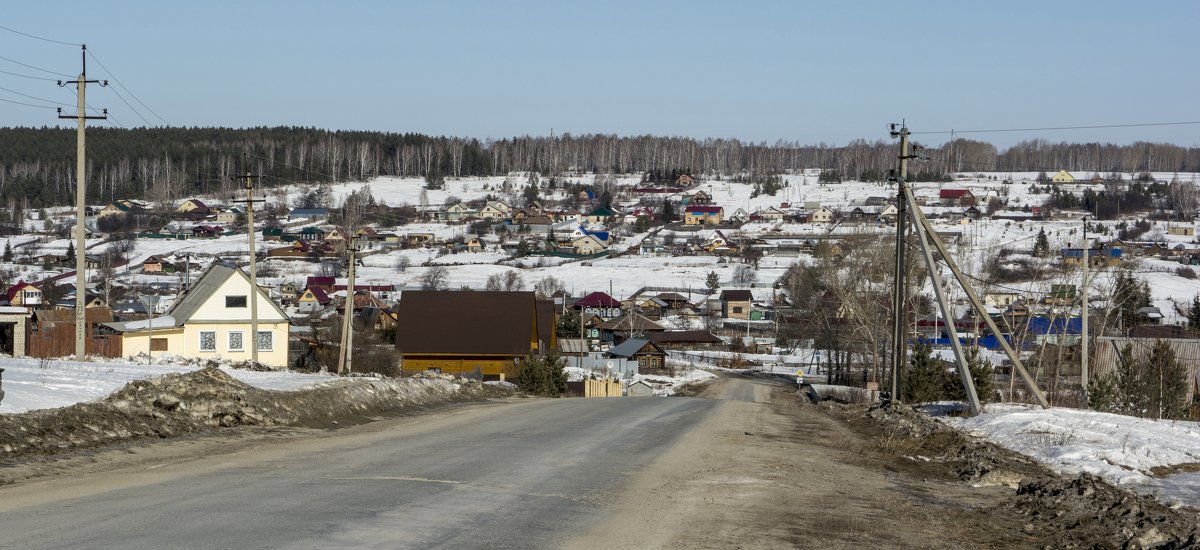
(703, 215)
(599, 304)
(957, 197)
(24, 294)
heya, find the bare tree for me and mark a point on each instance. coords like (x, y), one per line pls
(435, 278)
(548, 286)
(509, 281)
(744, 275)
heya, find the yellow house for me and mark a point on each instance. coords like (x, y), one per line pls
(703, 215)
(192, 205)
(211, 320)
(588, 245)
(1063, 176)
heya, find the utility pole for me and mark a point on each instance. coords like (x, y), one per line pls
(248, 182)
(81, 117)
(900, 285)
(345, 353)
(1083, 364)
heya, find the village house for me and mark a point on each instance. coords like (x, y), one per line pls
(212, 320)
(735, 304)
(821, 215)
(1099, 256)
(588, 245)
(703, 215)
(193, 207)
(956, 197)
(229, 215)
(649, 356)
(495, 210)
(481, 331)
(313, 299)
(25, 295)
(601, 215)
(309, 214)
(599, 304)
(770, 214)
(699, 198)
(1063, 176)
(458, 212)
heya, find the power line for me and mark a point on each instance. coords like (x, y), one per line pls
(127, 90)
(38, 37)
(95, 110)
(135, 111)
(28, 76)
(1050, 128)
(26, 104)
(10, 60)
(35, 97)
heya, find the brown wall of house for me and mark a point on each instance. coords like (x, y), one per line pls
(458, 364)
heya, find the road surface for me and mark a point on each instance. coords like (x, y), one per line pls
(743, 466)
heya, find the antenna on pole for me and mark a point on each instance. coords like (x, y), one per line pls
(81, 117)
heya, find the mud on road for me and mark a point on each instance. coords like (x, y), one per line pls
(769, 470)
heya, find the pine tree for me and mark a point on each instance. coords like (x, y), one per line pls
(8, 255)
(713, 281)
(542, 375)
(1167, 384)
(1041, 248)
(668, 212)
(981, 376)
(1193, 316)
(925, 378)
(71, 250)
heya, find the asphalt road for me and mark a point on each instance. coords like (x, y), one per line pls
(519, 475)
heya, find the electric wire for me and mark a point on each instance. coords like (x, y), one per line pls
(48, 71)
(35, 97)
(39, 37)
(127, 90)
(1053, 128)
(29, 76)
(26, 104)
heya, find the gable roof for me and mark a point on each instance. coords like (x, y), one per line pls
(622, 322)
(684, 337)
(597, 299)
(630, 347)
(736, 295)
(467, 323)
(210, 281)
(704, 209)
(953, 193)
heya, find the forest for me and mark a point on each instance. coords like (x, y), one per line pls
(167, 164)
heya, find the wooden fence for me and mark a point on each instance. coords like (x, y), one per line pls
(595, 388)
(58, 340)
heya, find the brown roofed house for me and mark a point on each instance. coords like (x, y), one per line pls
(463, 332)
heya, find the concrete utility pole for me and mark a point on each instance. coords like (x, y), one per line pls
(81, 117)
(346, 352)
(1083, 314)
(900, 285)
(248, 181)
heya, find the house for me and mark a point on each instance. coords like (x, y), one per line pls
(685, 180)
(272, 233)
(735, 304)
(715, 241)
(481, 331)
(229, 215)
(311, 234)
(206, 231)
(703, 215)
(194, 207)
(739, 216)
(1182, 230)
(24, 294)
(956, 197)
(1063, 176)
(418, 240)
(211, 319)
(821, 215)
(495, 210)
(1098, 256)
(1060, 294)
(156, 264)
(619, 328)
(601, 215)
(699, 198)
(647, 354)
(770, 214)
(313, 299)
(307, 214)
(289, 292)
(324, 283)
(587, 245)
(599, 304)
(459, 212)
(639, 388)
(123, 206)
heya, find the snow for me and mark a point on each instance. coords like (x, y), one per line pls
(1122, 449)
(31, 384)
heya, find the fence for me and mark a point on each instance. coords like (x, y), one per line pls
(59, 341)
(595, 388)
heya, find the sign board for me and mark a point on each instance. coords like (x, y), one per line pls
(872, 386)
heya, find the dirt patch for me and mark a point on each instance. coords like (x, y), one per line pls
(1058, 512)
(209, 399)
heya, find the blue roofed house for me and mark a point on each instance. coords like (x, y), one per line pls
(307, 214)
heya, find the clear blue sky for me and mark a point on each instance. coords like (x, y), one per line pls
(831, 71)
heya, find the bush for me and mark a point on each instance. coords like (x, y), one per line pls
(1186, 272)
(542, 375)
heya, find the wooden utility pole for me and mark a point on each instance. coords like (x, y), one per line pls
(1083, 364)
(900, 282)
(248, 182)
(81, 117)
(346, 352)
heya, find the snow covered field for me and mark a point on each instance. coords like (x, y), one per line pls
(1159, 457)
(31, 384)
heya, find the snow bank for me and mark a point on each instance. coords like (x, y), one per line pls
(1151, 456)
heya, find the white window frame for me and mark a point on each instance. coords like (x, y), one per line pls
(201, 341)
(229, 340)
(270, 347)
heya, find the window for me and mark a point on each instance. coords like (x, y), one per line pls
(737, 309)
(158, 344)
(235, 301)
(237, 340)
(266, 340)
(208, 340)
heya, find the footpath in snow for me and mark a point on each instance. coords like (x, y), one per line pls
(1158, 457)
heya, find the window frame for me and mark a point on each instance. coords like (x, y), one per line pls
(200, 346)
(229, 340)
(245, 301)
(271, 336)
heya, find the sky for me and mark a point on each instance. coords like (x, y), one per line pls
(808, 72)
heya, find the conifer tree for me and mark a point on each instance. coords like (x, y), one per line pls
(8, 255)
(71, 250)
(925, 379)
(1193, 317)
(713, 281)
(1041, 248)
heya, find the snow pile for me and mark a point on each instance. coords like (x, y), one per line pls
(1152, 456)
(670, 385)
(31, 384)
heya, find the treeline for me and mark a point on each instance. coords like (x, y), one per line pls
(166, 164)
